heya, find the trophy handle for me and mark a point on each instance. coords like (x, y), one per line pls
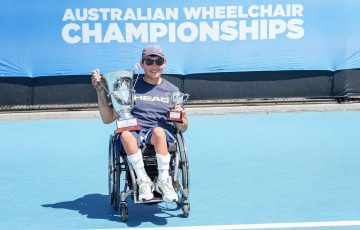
(168, 95)
(137, 67)
(186, 96)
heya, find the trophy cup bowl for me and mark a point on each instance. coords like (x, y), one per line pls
(120, 87)
(176, 98)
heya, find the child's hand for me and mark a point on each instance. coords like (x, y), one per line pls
(96, 80)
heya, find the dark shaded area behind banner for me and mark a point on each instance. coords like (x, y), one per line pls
(62, 90)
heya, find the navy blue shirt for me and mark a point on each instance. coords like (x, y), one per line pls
(151, 103)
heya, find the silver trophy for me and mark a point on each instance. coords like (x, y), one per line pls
(120, 89)
(176, 98)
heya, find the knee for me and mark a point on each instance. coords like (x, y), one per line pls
(158, 133)
(126, 136)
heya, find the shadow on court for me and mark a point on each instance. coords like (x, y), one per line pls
(97, 206)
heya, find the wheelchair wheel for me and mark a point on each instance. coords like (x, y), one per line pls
(113, 174)
(183, 176)
(123, 212)
(186, 210)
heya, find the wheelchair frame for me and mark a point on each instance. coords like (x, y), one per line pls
(118, 165)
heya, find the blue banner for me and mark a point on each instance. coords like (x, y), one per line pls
(46, 38)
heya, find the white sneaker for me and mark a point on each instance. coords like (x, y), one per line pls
(166, 189)
(146, 188)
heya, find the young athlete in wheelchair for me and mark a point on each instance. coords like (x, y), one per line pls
(154, 158)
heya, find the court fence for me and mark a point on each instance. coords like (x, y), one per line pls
(244, 88)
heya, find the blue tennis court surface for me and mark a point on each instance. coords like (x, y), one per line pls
(244, 169)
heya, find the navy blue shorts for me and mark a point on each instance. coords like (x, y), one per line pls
(143, 137)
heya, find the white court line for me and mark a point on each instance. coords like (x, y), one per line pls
(254, 226)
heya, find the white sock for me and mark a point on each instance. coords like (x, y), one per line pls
(163, 165)
(136, 161)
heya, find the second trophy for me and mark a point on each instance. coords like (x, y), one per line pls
(176, 98)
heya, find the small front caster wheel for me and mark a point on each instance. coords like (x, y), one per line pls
(186, 210)
(123, 213)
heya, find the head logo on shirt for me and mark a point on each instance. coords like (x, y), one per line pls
(151, 98)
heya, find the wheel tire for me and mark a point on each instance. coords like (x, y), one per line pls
(186, 210)
(117, 187)
(123, 213)
(184, 179)
(111, 171)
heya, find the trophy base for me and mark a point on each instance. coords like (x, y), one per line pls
(129, 128)
(127, 125)
(175, 116)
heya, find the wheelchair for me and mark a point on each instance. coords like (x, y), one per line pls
(122, 175)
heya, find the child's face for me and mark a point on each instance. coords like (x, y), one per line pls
(153, 66)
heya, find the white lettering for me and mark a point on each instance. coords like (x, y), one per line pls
(231, 12)
(279, 11)
(220, 12)
(113, 33)
(158, 14)
(104, 12)
(276, 26)
(254, 11)
(81, 15)
(202, 24)
(172, 32)
(265, 11)
(141, 32)
(229, 30)
(157, 30)
(66, 33)
(297, 10)
(115, 14)
(253, 30)
(211, 31)
(129, 15)
(189, 26)
(93, 14)
(192, 13)
(69, 15)
(88, 33)
(295, 29)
